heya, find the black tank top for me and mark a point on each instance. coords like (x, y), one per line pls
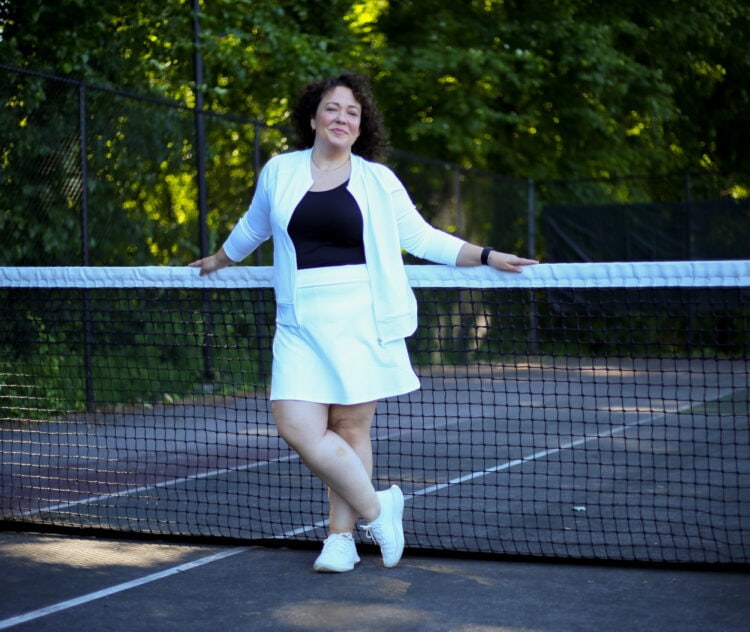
(326, 229)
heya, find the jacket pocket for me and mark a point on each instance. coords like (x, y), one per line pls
(285, 314)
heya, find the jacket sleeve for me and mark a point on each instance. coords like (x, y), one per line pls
(254, 227)
(416, 235)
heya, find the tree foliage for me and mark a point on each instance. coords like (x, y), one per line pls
(522, 87)
(564, 89)
(571, 88)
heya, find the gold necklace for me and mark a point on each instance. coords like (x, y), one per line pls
(348, 158)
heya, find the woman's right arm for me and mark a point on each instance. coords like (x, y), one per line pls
(252, 229)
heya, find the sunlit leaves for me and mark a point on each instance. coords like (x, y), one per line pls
(570, 88)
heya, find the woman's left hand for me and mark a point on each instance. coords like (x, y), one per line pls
(508, 263)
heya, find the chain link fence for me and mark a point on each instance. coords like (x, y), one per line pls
(95, 176)
(671, 217)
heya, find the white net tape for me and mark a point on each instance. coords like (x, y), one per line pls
(734, 273)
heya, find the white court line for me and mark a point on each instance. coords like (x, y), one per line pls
(543, 453)
(301, 530)
(388, 435)
(509, 464)
(186, 479)
(503, 466)
(100, 594)
(168, 483)
(427, 490)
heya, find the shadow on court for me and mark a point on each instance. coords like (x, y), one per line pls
(50, 582)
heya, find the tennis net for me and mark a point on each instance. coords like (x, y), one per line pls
(574, 411)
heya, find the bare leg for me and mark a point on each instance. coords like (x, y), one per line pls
(351, 423)
(305, 426)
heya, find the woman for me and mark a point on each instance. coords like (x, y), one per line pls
(344, 305)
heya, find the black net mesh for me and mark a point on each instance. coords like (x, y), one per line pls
(559, 419)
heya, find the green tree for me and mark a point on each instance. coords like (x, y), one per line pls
(141, 157)
(699, 48)
(128, 151)
(570, 89)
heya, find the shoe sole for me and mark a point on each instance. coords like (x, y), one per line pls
(398, 528)
(328, 568)
(331, 569)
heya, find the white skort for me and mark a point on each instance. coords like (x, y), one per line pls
(334, 356)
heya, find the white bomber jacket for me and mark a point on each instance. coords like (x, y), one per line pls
(391, 223)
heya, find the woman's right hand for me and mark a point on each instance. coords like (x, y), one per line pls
(212, 263)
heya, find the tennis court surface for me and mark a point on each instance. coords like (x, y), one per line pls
(483, 471)
(52, 582)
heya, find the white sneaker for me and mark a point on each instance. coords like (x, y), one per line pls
(339, 554)
(387, 529)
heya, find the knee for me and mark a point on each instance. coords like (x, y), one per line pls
(352, 423)
(354, 436)
(354, 432)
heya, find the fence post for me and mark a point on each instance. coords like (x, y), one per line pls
(262, 323)
(83, 135)
(531, 220)
(688, 219)
(531, 228)
(256, 173)
(87, 333)
(462, 305)
(460, 228)
(200, 142)
(689, 254)
(200, 134)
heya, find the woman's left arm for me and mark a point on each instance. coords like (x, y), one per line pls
(471, 255)
(423, 240)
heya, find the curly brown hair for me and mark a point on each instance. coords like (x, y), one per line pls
(372, 142)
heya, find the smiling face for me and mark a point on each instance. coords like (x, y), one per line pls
(337, 119)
